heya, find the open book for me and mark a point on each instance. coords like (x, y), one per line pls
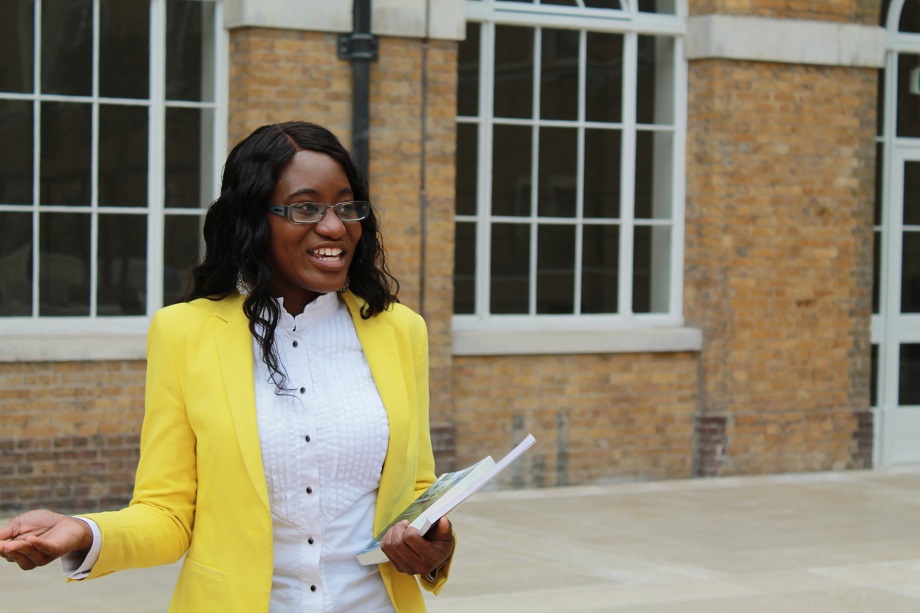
(442, 497)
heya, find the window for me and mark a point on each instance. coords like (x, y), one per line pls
(108, 114)
(570, 132)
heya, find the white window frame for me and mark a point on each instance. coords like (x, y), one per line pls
(94, 337)
(483, 333)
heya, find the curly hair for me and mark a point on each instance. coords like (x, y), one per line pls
(237, 232)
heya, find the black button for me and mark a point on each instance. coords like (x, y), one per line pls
(312, 588)
(310, 540)
(303, 390)
(295, 343)
(307, 438)
(309, 490)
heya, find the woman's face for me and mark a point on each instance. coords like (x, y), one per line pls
(309, 259)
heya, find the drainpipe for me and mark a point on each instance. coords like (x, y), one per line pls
(360, 48)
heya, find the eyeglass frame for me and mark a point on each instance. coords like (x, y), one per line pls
(286, 211)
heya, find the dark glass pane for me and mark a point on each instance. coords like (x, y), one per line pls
(66, 153)
(879, 163)
(513, 71)
(122, 276)
(15, 264)
(911, 193)
(651, 269)
(873, 377)
(910, 17)
(559, 2)
(558, 171)
(909, 375)
(908, 109)
(468, 72)
(599, 269)
(64, 253)
(883, 13)
(665, 7)
(654, 80)
(604, 77)
(16, 153)
(910, 273)
(510, 263)
(604, 4)
(17, 42)
(511, 152)
(182, 249)
(555, 270)
(188, 159)
(124, 48)
(67, 47)
(653, 175)
(467, 148)
(602, 173)
(122, 155)
(880, 103)
(465, 269)
(876, 272)
(189, 50)
(559, 74)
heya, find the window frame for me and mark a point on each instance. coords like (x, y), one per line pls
(622, 331)
(94, 336)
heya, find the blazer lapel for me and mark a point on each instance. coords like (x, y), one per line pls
(235, 353)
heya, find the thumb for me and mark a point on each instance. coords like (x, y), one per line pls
(441, 531)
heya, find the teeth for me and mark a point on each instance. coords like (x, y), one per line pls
(328, 252)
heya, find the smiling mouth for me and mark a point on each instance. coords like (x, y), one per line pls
(327, 254)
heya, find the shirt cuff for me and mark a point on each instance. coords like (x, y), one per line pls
(76, 566)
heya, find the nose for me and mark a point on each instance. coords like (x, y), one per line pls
(330, 225)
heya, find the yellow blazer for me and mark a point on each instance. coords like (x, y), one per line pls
(200, 485)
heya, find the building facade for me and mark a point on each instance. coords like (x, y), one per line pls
(669, 239)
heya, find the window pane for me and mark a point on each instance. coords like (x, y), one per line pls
(602, 173)
(873, 377)
(510, 259)
(189, 50)
(513, 72)
(557, 172)
(124, 48)
(653, 175)
(559, 74)
(122, 155)
(15, 264)
(604, 4)
(67, 47)
(189, 138)
(908, 109)
(910, 18)
(511, 170)
(880, 103)
(879, 173)
(559, 2)
(66, 143)
(909, 376)
(651, 269)
(655, 80)
(468, 72)
(16, 153)
(122, 275)
(465, 269)
(876, 271)
(604, 77)
(911, 193)
(599, 269)
(555, 270)
(666, 7)
(910, 273)
(467, 146)
(17, 39)
(182, 249)
(64, 254)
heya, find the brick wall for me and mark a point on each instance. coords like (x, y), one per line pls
(780, 171)
(852, 11)
(69, 434)
(597, 418)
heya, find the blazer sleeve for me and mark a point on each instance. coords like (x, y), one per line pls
(156, 527)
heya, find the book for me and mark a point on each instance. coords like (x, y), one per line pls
(442, 497)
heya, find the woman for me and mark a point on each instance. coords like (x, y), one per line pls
(286, 412)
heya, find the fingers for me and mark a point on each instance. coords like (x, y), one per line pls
(415, 554)
(25, 554)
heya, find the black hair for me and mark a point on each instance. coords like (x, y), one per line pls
(237, 232)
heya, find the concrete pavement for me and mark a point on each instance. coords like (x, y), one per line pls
(815, 543)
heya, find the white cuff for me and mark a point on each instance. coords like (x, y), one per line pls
(77, 567)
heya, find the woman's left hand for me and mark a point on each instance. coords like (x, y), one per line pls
(414, 554)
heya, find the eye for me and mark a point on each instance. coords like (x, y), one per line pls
(347, 208)
(310, 208)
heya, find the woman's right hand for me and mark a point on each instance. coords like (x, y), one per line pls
(36, 538)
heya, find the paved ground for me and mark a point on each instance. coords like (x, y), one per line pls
(818, 543)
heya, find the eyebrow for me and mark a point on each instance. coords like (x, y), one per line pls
(309, 191)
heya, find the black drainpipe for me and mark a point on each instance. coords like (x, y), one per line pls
(360, 48)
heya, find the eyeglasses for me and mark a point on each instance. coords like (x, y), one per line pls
(312, 212)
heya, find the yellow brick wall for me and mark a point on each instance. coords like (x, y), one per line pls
(780, 175)
(850, 11)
